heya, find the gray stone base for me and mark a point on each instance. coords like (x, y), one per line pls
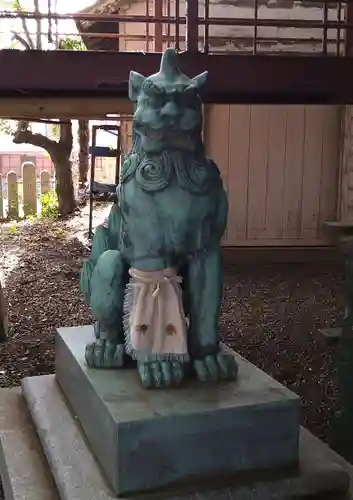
(321, 474)
(196, 432)
(24, 470)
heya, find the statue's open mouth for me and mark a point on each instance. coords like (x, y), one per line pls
(169, 136)
(155, 136)
(148, 132)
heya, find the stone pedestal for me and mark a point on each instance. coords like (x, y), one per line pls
(252, 421)
(26, 470)
(151, 439)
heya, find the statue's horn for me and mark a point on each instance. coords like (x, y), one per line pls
(199, 80)
(169, 62)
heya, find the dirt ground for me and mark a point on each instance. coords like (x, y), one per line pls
(270, 314)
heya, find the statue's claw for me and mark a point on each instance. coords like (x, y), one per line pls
(216, 367)
(160, 373)
(103, 353)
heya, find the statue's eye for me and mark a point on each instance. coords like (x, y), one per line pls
(156, 101)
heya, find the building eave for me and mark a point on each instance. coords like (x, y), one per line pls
(232, 78)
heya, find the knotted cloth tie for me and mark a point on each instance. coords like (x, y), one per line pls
(155, 323)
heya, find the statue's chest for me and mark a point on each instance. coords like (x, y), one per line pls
(170, 189)
(173, 203)
(170, 220)
(151, 175)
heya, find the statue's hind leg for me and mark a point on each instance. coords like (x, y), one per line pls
(108, 282)
(203, 294)
(103, 280)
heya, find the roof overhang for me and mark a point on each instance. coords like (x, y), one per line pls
(233, 79)
(96, 108)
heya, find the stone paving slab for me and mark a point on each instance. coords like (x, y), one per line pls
(24, 469)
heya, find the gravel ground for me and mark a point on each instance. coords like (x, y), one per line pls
(270, 314)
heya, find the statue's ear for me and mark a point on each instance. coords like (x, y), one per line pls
(135, 84)
(199, 80)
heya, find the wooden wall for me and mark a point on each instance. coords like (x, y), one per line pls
(345, 208)
(280, 166)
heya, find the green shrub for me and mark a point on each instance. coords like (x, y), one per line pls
(49, 205)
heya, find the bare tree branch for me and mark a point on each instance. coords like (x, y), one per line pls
(26, 32)
(56, 25)
(25, 27)
(50, 23)
(21, 40)
(39, 26)
(25, 136)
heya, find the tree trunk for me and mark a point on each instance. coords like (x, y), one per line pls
(59, 152)
(63, 172)
(83, 159)
(64, 183)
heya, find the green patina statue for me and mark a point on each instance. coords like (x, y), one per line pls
(153, 279)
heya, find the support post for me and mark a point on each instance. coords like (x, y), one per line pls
(192, 26)
(158, 26)
(93, 166)
(349, 31)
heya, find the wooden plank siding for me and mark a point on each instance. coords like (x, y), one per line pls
(280, 166)
(346, 167)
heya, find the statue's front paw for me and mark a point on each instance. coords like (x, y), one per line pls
(105, 354)
(155, 374)
(216, 367)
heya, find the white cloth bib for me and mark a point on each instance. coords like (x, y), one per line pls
(155, 323)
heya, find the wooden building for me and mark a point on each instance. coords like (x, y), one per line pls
(287, 168)
(284, 166)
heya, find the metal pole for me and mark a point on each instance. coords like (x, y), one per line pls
(93, 165)
(118, 156)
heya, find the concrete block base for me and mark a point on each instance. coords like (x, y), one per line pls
(196, 432)
(26, 475)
